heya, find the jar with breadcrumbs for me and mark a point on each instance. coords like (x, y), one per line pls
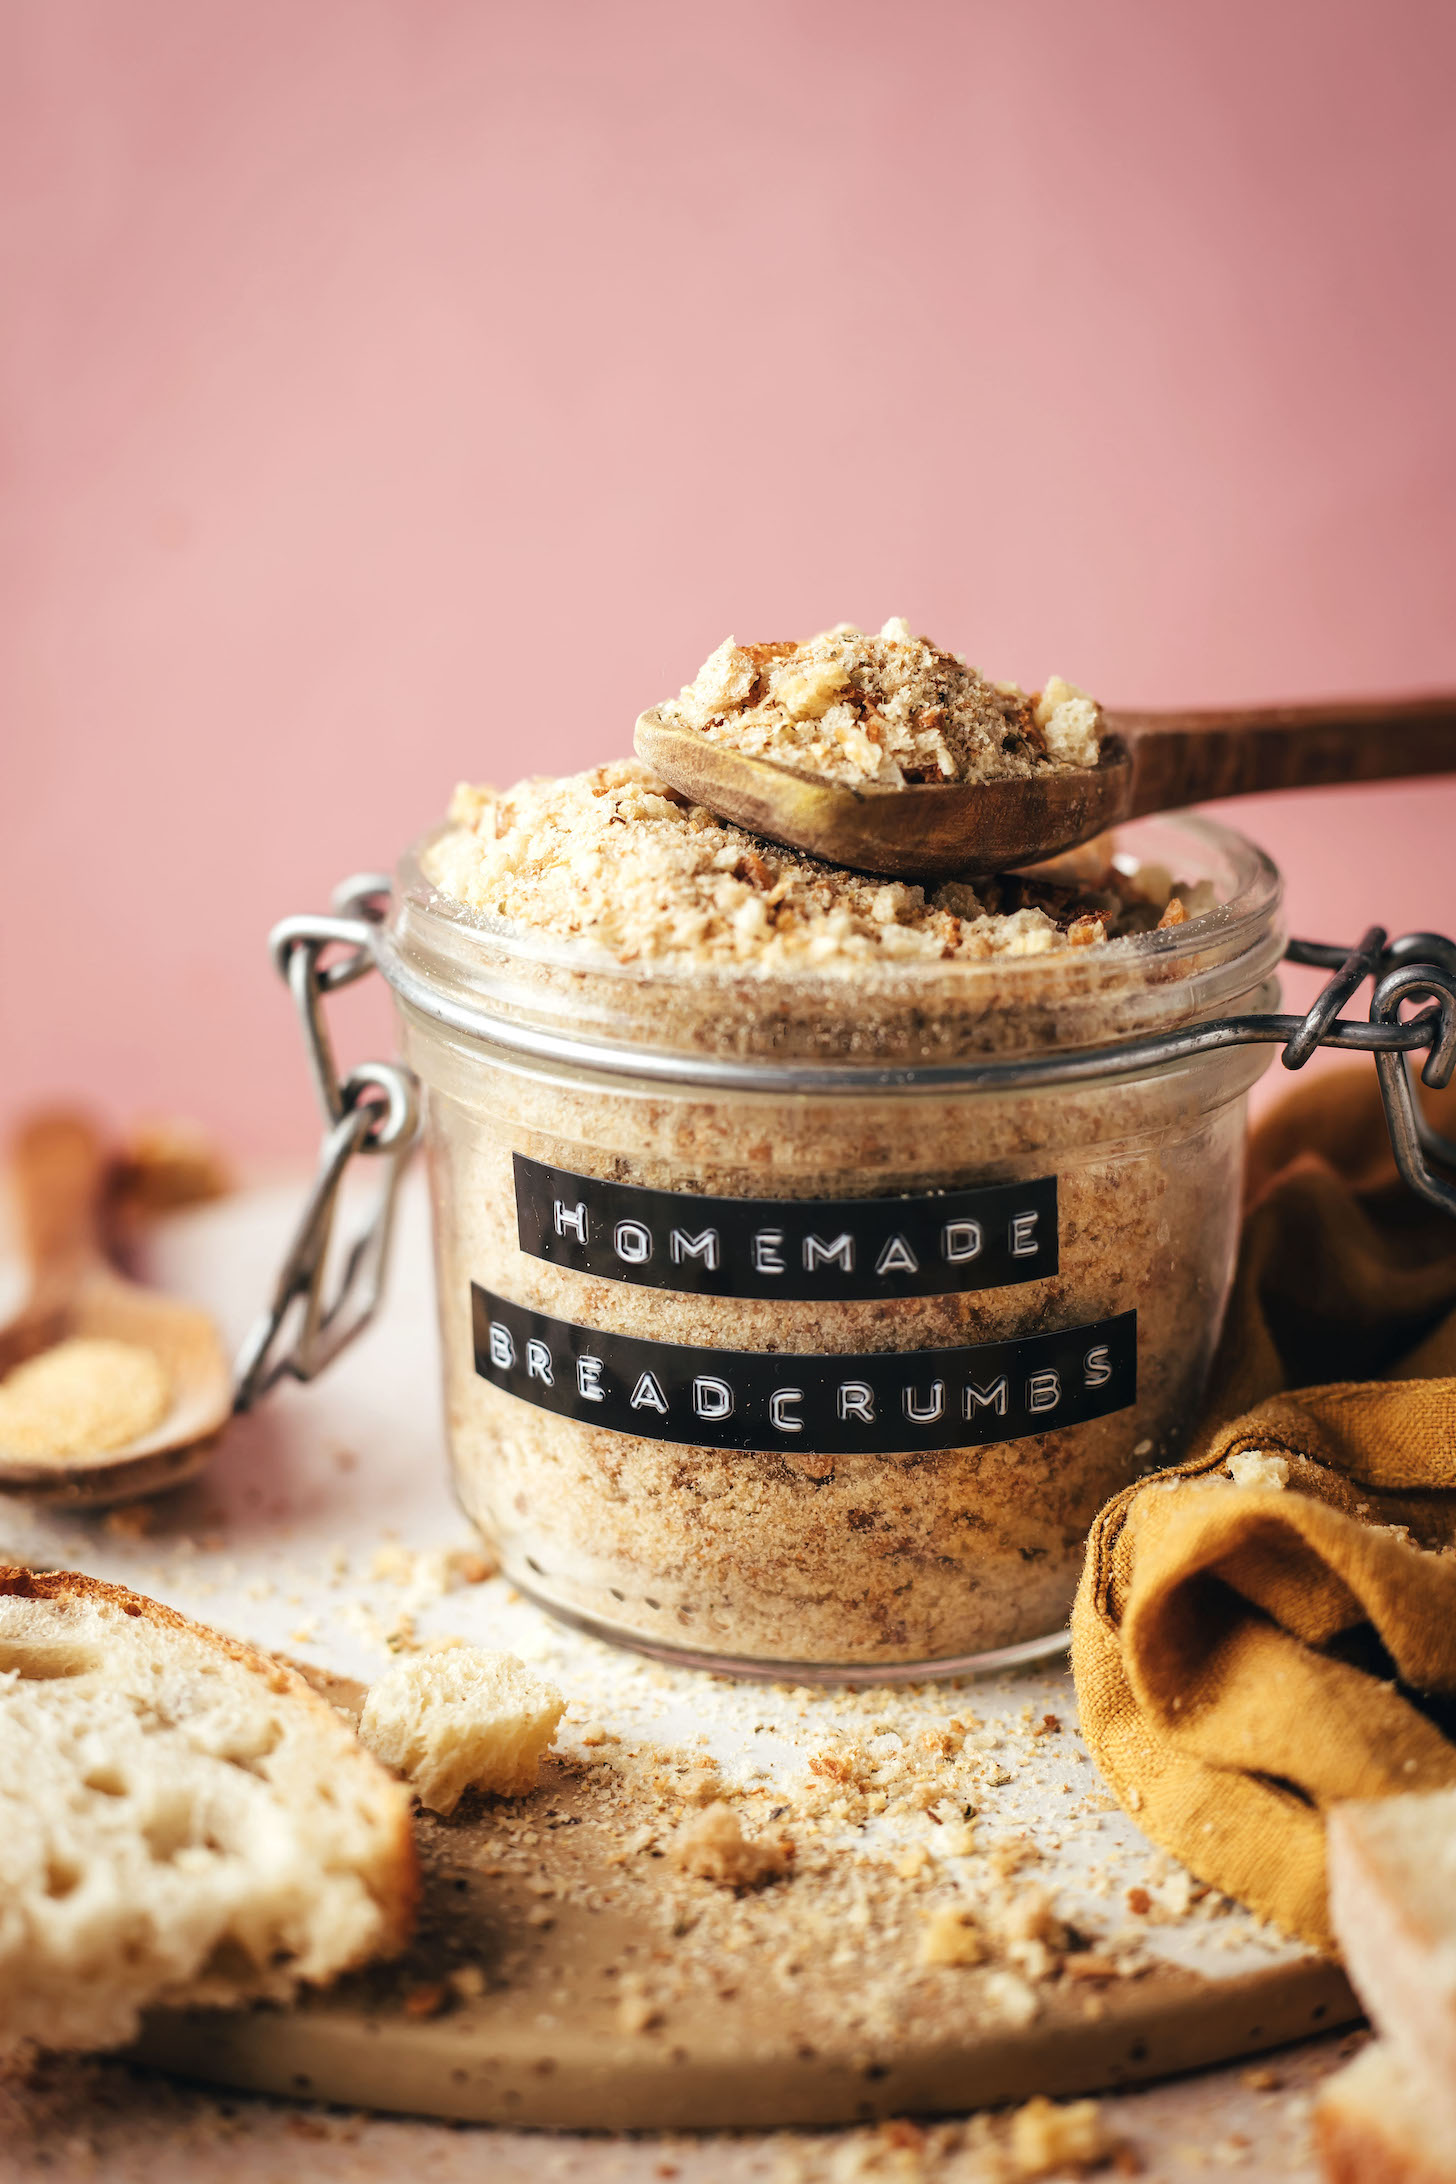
(816, 1254)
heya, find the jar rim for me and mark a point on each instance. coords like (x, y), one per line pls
(484, 976)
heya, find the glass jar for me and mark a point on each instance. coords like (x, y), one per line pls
(801, 1323)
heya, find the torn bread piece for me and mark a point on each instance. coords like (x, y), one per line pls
(182, 1820)
(1258, 1467)
(1392, 1879)
(461, 1719)
(1392, 1874)
(1373, 2124)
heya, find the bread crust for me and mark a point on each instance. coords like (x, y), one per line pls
(1390, 1877)
(395, 1885)
(1353, 2150)
(1362, 2149)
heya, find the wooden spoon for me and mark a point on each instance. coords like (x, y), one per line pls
(59, 1173)
(1150, 762)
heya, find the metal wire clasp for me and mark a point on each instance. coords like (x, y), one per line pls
(1422, 967)
(374, 1112)
(1417, 967)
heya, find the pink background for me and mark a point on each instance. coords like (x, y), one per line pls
(395, 390)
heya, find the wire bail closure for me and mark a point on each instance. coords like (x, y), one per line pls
(374, 1111)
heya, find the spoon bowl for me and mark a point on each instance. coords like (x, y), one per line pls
(59, 1173)
(1150, 762)
(927, 830)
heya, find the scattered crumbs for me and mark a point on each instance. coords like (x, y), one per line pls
(636, 2010)
(1231, 2152)
(1048, 2139)
(1009, 1997)
(393, 1564)
(470, 1565)
(133, 1520)
(1033, 1937)
(953, 1936)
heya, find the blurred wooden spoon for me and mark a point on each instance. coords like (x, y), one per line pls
(1150, 762)
(59, 1173)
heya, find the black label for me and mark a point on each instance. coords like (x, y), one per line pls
(927, 1244)
(879, 1403)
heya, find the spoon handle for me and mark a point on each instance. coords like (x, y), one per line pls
(1192, 758)
(59, 1169)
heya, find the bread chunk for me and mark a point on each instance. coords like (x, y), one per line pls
(182, 1820)
(1392, 1866)
(1372, 2124)
(1257, 1467)
(461, 1719)
(713, 1847)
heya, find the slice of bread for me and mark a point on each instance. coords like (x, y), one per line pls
(461, 1719)
(181, 1820)
(1372, 2124)
(1392, 1878)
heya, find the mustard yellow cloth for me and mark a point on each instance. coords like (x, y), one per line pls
(1245, 1656)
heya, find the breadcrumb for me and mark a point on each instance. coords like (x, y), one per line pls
(1255, 1467)
(713, 1847)
(1046, 2138)
(953, 1936)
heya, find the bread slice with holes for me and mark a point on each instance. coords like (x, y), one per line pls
(182, 1820)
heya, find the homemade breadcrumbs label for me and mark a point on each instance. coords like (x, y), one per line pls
(932, 1243)
(878, 1403)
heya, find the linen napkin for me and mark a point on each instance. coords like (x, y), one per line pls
(1271, 1626)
